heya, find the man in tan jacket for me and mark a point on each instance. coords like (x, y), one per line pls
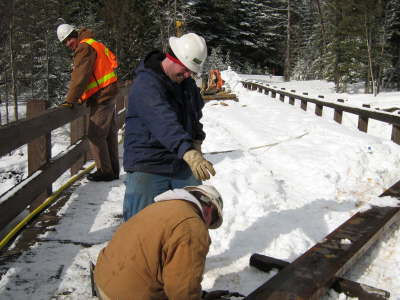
(94, 82)
(160, 253)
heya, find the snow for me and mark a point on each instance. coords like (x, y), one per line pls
(287, 177)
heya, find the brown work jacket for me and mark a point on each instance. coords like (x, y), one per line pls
(158, 254)
(84, 59)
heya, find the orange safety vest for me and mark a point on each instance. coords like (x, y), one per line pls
(215, 79)
(103, 74)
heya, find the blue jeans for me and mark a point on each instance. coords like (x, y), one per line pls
(141, 188)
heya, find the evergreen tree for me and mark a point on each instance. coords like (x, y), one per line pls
(391, 74)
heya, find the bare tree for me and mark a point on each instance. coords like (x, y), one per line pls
(288, 43)
(12, 63)
(321, 18)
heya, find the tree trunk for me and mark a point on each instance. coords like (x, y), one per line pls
(6, 96)
(12, 65)
(337, 51)
(47, 66)
(0, 107)
(321, 18)
(288, 38)
(369, 49)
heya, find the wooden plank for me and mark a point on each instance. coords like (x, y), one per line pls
(310, 276)
(39, 150)
(220, 97)
(292, 97)
(122, 102)
(77, 132)
(21, 195)
(318, 110)
(396, 134)
(303, 105)
(121, 117)
(24, 131)
(340, 285)
(338, 116)
(363, 123)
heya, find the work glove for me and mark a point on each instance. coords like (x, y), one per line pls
(219, 295)
(197, 145)
(201, 168)
(66, 104)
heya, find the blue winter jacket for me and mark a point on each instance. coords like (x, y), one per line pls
(162, 120)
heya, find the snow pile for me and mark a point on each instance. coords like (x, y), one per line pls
(381, 202)
(288, 178)
(232, 80)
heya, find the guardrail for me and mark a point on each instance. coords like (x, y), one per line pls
(364, 114)
(43, 169)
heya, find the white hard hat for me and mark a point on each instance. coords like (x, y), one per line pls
(190, 49)
(63, 31)
(209, 195)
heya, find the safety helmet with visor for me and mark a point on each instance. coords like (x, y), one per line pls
(63, 31)
(190, 49)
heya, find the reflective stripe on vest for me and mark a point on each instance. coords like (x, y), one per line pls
(103, 72)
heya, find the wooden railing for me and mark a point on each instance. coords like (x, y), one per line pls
(43, 169)
(364, 114)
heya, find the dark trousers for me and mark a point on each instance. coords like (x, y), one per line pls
(103, 137)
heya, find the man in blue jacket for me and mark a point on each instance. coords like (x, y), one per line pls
(163, 133)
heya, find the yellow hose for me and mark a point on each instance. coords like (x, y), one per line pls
(42, 206)
(50, 199)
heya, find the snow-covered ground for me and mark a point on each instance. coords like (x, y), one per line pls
(291, 178)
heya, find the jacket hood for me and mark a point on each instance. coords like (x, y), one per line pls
(152, 61)
(151, 65)
(85, 33)
(179, 194)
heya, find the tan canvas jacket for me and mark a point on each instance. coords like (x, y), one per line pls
(158, 254)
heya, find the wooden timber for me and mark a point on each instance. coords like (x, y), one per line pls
(340, 285)
(220, 97)
(21, 195)
(311, 275)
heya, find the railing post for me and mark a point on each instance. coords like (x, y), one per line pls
(273, 92)
(338, 114)
(79, 129)
(319, 107)
(304, 103)
(282, 96)
(363, 121)
(396, 134)
(122, 100)
(362, 124)
(39, 150)
(291, 98)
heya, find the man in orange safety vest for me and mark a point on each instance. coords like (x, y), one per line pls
(94, 83)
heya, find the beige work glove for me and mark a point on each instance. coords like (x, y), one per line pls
(201, 168)
(197, 145)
